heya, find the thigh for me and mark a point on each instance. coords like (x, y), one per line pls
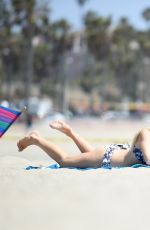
(142, 137)
(143, 143)
(84, 160)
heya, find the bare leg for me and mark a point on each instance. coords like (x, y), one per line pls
(143, 142)
(82, 144)
(82, 160)
(34, 138)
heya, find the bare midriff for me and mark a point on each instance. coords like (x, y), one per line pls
(120, 157)
(123, 157)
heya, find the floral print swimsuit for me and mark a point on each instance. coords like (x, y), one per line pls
(106, 162)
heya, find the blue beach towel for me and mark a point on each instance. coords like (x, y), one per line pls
(57, 166)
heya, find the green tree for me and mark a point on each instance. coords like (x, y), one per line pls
(97, 31)
(143, 36)
(146, 14)
(6, 45)
(97, 35)
(24, 12)
(125, 58)
(81, 4)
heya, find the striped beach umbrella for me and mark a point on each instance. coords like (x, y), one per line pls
(7, 118)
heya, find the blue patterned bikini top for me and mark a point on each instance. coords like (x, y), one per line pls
(139, 155)
(124, 146)
(137, 152)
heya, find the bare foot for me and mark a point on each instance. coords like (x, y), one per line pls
(27, 140)
(61, 126)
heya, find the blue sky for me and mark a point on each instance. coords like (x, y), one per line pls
(116, 8)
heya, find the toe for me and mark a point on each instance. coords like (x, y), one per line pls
(18, 144)
(20, 149)
(54, 125)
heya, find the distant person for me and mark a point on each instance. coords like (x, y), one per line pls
(5, 103)
(29, 120)
(105, 156)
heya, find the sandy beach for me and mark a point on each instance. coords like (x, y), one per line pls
(69, 199)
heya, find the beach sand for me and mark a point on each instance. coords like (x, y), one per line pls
(69, 199)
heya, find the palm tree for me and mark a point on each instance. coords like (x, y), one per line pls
(146, 14)
(97, 30)
(81, 4)
(97, 34)
(125, 58)
(5, 46)
(62, 44)
(33, 21)
(27, 24)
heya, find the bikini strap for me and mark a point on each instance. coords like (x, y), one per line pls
(124, 146)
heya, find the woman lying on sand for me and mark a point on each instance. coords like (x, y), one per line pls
(106, 156)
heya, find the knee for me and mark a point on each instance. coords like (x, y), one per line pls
(148, 162)
(68, 161)
(63, 162)
(144, 134)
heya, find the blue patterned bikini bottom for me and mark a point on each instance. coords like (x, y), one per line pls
(106, 162)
